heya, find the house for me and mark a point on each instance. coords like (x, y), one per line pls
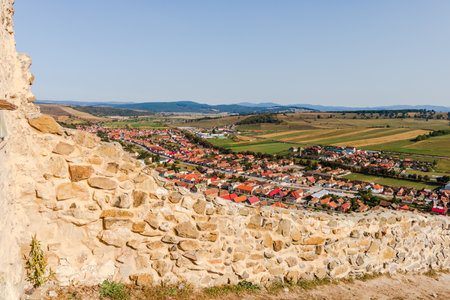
(404, 207)
(240, 199)
(345, 207)
(295, 196)
(377, 189)
(279, 204)
(253, 200)
(245, 189)
(274, 192)
(389, 191)
(211, 193)
(385, 203)
(229, 196)
(439, 209)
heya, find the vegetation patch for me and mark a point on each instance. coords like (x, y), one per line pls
(241, 287)
(111, 290)
(260, 119)
(36, 264)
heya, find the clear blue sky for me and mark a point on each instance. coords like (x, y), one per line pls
(354, 53)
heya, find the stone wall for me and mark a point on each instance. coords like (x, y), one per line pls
(101, 215)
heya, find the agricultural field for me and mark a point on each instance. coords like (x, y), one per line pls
(306, 129)
(136, 124)
(389, 181)
(263, 146)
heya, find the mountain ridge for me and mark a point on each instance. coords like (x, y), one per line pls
(241, 107)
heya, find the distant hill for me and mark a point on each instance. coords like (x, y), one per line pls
(194, 107)
(391, 107)
(239, 108)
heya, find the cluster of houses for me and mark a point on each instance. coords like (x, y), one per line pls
(363, 158)
(246, 179)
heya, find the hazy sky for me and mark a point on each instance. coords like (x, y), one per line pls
(354, 53)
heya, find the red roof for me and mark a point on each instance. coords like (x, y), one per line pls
(279, 204)
(404, 207)
(274, 192)
(253, 200)
(240, 199)
(244, 187)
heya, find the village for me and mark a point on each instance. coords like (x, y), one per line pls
(261, 181)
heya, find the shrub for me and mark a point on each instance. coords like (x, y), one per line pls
(112, 290)
(36, 264)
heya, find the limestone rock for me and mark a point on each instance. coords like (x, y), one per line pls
(102, 183)
(189, 245)
(5, 105)
(80, 172)
(175, 197)
(139, 198)
(313, 241)
(57, 167)
(160, 267)
(63, 148)
(85, 139)
(117, 237)
(186, 230)
(72, 191)
(123, 201)
(45, 124)
(199, 207)
(145, 280)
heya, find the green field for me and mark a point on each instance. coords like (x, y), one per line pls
(135, 124)
(390, 181)
(438, 145)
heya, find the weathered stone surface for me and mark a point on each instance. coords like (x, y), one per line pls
(102, 183)
(161, 267)
(123, 201)
(63, 148)
(110, 150)
(85, 139)
(189, 245)
(199, 207)
(5, 105)
(313, 240)
(138, 227)
(374, 247)
(285, 227)
(175, 197)
(291, 261)
(186, 230)
(116, 213)
(139, 198)
(45, 124)
(112, 167)
(145, 280)
(387, 253)
(277, 245)
(206, 226)
(115, 223)
(57, 167)
(168, 239)
(255, 221)
(72, 191)
(117, 237)
(80, 172)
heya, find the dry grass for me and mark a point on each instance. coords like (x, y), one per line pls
(386, 139)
